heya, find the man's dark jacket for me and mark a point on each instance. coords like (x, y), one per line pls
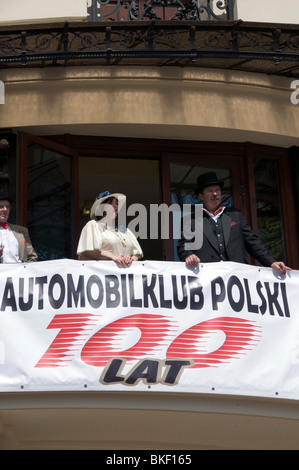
(238, 239)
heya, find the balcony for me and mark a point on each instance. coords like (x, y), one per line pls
(156, 33)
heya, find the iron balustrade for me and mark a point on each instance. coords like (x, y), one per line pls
(254, 47)
(134, 10)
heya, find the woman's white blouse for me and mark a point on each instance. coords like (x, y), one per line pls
(96, 235)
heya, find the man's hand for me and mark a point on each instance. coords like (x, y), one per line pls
(280, 267)
(192, 261)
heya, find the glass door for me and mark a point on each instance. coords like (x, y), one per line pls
(272, 202)
(48, 196)
(181, 179)
(137, 179)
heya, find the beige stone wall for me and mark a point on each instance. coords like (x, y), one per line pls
(189, 103)
(268, 11)
(34, 11)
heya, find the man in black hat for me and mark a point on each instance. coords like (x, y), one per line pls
(226, 234)
(15, 243)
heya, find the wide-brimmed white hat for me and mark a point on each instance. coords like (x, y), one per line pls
(103, 197)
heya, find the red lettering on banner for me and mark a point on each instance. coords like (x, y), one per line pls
(240, 336)
(72, 334)
(105, 344)
(155, 331)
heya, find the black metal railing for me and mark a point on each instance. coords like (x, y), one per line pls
(256, 47)
(136, 10)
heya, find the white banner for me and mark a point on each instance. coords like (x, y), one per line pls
(225, 328)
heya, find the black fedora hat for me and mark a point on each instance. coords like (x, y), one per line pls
(5, 197)
(207, 179)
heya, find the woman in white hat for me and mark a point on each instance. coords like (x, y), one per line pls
(101, 239)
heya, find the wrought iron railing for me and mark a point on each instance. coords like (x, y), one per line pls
(184, 38)
(136, 10)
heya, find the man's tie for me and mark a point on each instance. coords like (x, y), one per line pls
(4, 225)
